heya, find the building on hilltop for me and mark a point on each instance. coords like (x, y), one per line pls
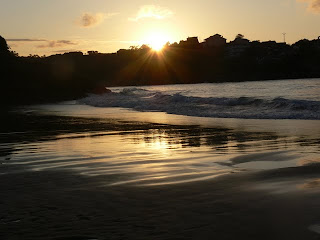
(93, 53)
(191, 42)
(240, 42)
(214, 41)
(238, 46)
(269, 43)
(73, 54)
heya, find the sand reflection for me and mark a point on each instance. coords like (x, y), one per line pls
(313, 184)
(151, 154)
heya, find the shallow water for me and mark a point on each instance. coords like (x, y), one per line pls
(176, 150)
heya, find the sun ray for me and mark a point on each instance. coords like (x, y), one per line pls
(157, 40)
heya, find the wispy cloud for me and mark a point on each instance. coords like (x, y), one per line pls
(64, 51)
(313, 5)
(25, 40)
(16, 42)
(93, 19)
(152, 11)
(56, 44)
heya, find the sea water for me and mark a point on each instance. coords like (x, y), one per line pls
(294, 99)
(154, 135)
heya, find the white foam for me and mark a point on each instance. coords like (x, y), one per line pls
(242, 107)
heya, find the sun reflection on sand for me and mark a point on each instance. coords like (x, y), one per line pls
(159, 154)
(135, 157)
(310, 160)
(313, 184)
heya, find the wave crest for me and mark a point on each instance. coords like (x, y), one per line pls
(243, 107)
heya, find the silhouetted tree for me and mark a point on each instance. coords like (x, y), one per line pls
(239, 35)
(145, 47)
(134, 48)
(4, 49)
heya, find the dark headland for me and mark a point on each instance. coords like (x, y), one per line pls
(36, 79)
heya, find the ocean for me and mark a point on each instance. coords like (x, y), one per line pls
(295, 99)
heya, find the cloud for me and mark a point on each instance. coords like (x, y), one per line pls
(16, 42)
(56, 44)
(152, 11)
(25, 40)
(64, 51)
(90, 20)
(313, 5)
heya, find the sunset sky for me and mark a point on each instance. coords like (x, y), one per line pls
(57, 26)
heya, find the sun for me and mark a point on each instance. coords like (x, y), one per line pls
(157, 40)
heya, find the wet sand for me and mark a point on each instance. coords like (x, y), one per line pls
(274, 204)
(57, 178)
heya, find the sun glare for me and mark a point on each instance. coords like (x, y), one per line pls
(157, 40)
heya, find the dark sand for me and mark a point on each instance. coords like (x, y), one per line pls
(61, 204)
(277, 204)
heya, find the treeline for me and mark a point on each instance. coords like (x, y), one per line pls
(72, 75)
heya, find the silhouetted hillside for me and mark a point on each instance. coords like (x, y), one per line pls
(71, 75)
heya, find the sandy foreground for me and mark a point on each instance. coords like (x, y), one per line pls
(275, 204)
(63, 204)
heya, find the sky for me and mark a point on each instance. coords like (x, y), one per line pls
(46, 27)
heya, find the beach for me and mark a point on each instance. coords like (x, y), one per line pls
(64, 205)
(73, 170)
(50, 190)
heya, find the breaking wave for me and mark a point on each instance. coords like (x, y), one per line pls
(242, 107)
